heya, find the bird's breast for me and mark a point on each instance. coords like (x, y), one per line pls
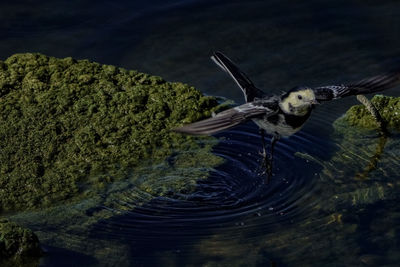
(282, 124)
(296, 121)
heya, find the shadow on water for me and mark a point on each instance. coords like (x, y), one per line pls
(373, 162)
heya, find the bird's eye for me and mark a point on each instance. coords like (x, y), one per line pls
(299, 97)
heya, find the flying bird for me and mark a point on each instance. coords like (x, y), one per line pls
(279, 115)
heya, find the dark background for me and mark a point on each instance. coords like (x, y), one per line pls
(279, 44)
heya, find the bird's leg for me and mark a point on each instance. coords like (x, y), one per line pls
(268, 159)
(262, 133)
(265, 160)
(275, 138)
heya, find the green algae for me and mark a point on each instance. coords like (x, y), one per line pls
(388, 107)
(69, 128)
(17, 244)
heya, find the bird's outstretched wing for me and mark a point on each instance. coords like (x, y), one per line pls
(226, 119)
(365, 86)
(250, 91)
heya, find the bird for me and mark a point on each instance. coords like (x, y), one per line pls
(279, 115)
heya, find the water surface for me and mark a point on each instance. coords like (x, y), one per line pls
(315, 211)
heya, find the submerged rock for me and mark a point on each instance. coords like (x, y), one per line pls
(364, 168)
(17, 242)
(69, 127)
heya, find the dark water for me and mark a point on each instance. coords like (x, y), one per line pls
(315, 211)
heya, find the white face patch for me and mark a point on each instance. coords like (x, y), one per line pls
(299, 102)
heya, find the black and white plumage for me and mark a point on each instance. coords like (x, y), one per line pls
(365, 86)
(280, 115)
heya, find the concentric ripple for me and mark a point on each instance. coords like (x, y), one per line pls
(234, 194)
(230, 209)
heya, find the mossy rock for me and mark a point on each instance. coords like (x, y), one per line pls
(67, 126)
(17, 242)
(388, 107)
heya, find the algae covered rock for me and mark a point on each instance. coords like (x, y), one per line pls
(388, 107)
(67, 126)
(16, 241)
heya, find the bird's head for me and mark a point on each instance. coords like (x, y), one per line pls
(298, 101)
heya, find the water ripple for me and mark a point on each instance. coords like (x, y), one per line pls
(234, 194)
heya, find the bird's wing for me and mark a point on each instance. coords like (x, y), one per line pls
(250, 91)
(365, 86)
(226, 119)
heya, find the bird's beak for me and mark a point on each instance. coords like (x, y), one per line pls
(314, 102)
